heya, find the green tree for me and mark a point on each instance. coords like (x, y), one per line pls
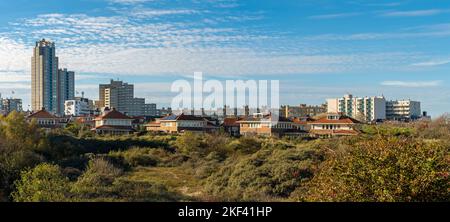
(384, 169)
(43, 183)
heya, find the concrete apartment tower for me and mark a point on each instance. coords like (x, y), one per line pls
(66, 87)
(50, 86)
(120, 95)
(44, 77)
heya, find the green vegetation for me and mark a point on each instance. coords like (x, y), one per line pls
(408, 162)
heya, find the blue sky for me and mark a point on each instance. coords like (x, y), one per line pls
(316, 48)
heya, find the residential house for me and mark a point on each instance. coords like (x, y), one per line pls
(333, 125)
(232, 126)
(113, 122)
(181, 123)
(46, 120)
(265, 125)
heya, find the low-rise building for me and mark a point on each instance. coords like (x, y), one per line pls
(265, 125)
(182, 123)
(113, 122)
(333, 125)
(231, 126)
(46, 120)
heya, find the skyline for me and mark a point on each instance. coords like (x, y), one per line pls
(395, 49)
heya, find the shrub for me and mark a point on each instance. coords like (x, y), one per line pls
(45, 182)
(384, 169)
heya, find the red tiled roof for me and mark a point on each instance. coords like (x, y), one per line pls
(341, 120)
(42, 114)
(113, 114)
(303, 121)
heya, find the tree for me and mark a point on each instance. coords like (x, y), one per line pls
(384, 169)
(43, 183)
(19, 148)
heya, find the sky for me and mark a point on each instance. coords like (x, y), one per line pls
(318, 49)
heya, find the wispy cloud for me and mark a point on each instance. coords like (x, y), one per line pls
(415, 84)
(415, 13)
(335, 16)
(129, 2)
(433, 63)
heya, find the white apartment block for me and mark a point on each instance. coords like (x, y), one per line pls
(78, 107)
(403, 110)
(361, 108)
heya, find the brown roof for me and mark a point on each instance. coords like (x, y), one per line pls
(231, 121)
(341, 120)
(42, 114)
(182, 117)
(264, 118)
(113, 114)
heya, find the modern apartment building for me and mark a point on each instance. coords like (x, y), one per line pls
(50, 87)
(78, 107)
(8, 105)
(120, 96)
(367, 109)
(150, 109)
(403, 110)
(302, 110)
(66, 87)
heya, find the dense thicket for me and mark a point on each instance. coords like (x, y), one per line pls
(401, 162)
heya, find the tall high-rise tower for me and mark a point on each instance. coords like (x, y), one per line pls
(50, 86)
(66, 87)
(44, 77)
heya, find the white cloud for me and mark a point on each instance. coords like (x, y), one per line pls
(129, 2)
(432, 63)
(415, 84)
(335, 16)
(415, 13)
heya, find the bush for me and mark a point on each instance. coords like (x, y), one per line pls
(265, 175)
(96, 181)
(384, 169)
(45, 182)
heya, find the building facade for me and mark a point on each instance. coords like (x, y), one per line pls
(113, 122)
(66, 87)
(302, 110)
(182, 123)
(333, 125)
(8, 105)
(44, 77)
(50, 86)
(264, 125)
(120, 95)
(403, 110)
(78, 107)
(150, 109)
(366, 109)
